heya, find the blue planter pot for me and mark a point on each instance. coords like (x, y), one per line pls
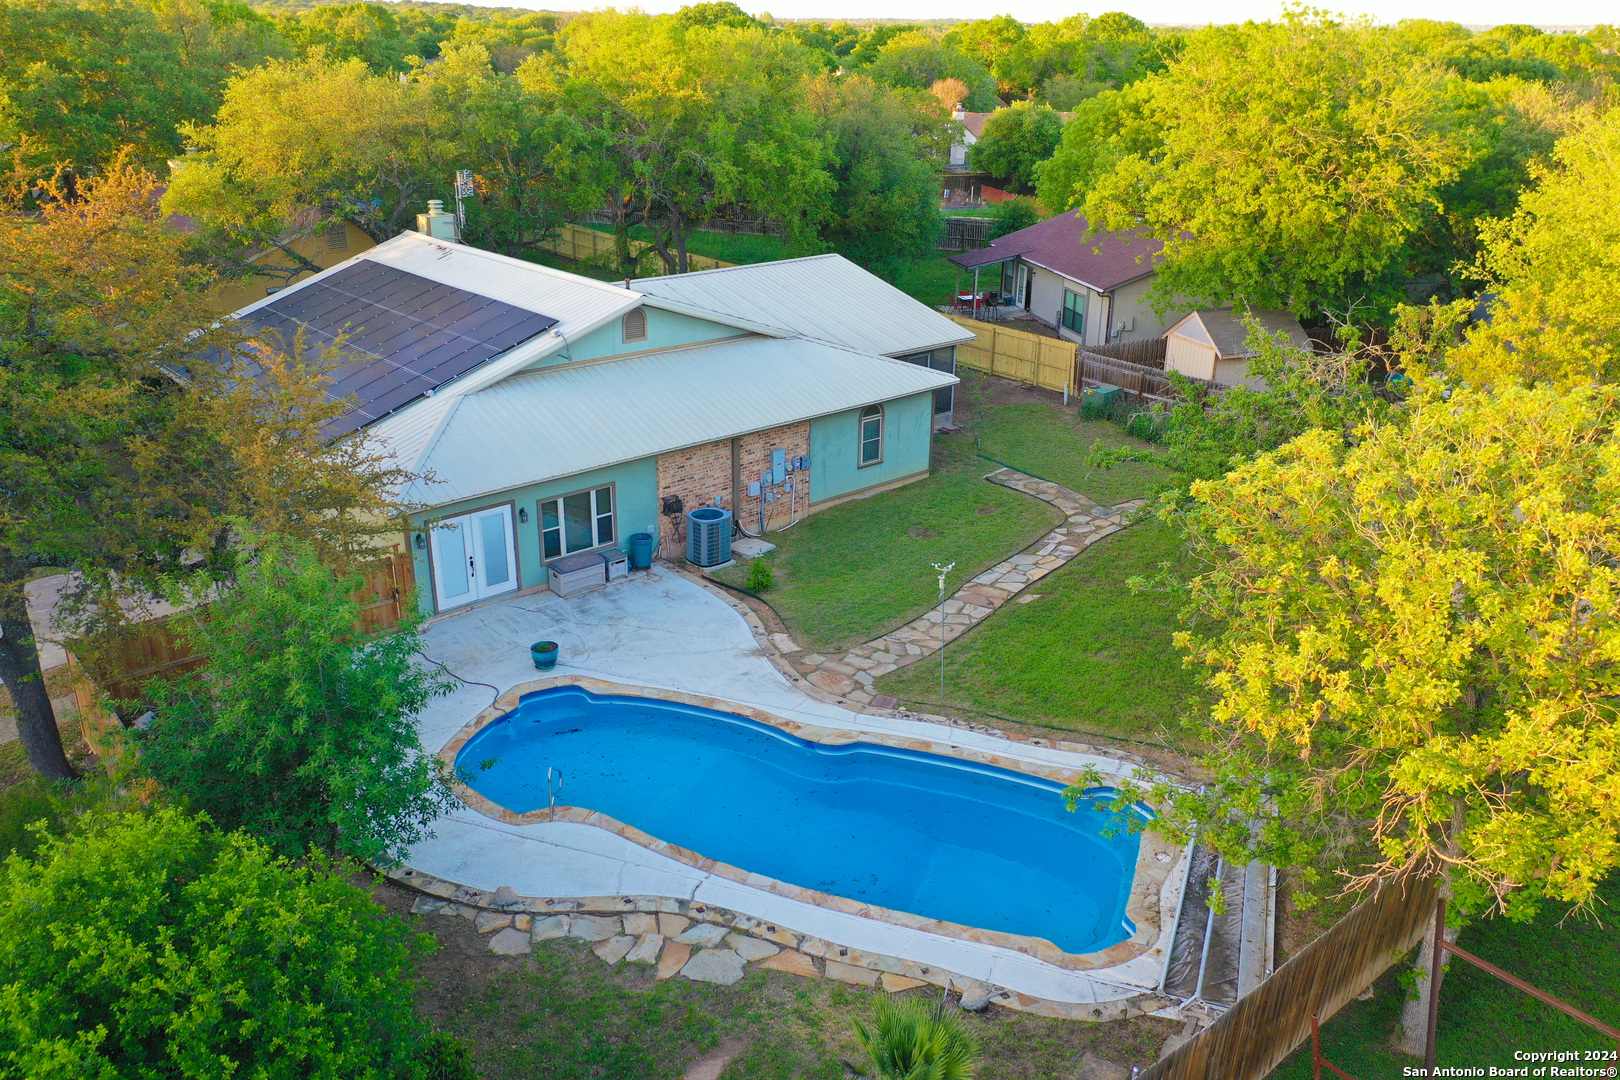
(545, 655)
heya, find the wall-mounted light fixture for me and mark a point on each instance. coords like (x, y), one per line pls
(523, 514)
(421, 542)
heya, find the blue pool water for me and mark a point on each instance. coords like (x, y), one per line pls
(914, 832)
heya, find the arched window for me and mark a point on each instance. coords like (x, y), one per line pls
(635, 325)
(871, 435)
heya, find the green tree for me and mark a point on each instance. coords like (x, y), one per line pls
(987, 42)
(1015, 141)
(886, 147)
(715, 13)
(1106, 128)
(678, 124)
(1554, 270)
(291, 135)
(81, 81)
(300, 730)
(913, 1039)
(511, 138)
(1293, 165)
(113, 470)
(1011, 215)
(366, 32)
(916, 60)
(1409, 637)
(153, 945)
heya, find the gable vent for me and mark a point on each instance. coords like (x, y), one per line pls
(635, 325)
(337, 239)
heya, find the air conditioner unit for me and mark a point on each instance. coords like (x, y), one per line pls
(708, 536)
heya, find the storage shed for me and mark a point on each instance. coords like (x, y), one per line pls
(1210, 344)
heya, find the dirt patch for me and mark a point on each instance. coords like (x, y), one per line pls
(991, 391)
(917, 532)
(986, 511)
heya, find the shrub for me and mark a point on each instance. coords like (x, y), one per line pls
(915, 1040)
(760, 576)
(155, 946)
(300, 730)
(1010, 215)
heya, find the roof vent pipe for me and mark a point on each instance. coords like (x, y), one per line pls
(436, 223)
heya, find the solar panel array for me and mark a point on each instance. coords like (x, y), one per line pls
(407, 335)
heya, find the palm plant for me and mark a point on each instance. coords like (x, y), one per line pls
(912, 1040)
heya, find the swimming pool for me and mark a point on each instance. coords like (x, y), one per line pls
(933, 836)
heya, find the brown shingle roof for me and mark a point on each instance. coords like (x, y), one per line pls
(1104, 262)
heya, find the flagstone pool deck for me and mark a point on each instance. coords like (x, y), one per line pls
(666, 630)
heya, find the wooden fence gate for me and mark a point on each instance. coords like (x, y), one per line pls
(1255, 1035)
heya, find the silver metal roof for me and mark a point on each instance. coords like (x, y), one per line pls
(823, 297)
(563, 420)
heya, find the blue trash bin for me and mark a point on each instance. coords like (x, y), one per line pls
(640, 551)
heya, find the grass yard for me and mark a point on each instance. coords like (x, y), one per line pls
(1087, 656)
(850, 573)
(1482, 1019)
(1052, 443)
(562, 1014)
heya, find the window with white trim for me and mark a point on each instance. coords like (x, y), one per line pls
(871, 450)
(576, 522)
(1074, 311)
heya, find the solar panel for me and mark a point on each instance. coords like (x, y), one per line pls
(406, 334)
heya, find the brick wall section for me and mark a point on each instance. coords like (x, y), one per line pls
(701, 474)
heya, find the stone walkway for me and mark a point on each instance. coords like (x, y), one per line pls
(849, 677)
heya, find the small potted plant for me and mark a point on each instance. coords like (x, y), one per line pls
(545, 655)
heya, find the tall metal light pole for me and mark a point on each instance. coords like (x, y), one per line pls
(943, 570)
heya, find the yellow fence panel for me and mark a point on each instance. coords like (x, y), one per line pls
(1017, 354)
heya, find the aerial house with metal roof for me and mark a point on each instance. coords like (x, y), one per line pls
(551, 414)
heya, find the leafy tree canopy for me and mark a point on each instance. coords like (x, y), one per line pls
(886, 147)
(1553, 269)
(1410, 636)
(79, 81)
(1287, 164)
(153, 945)
(917, 60)
(300, 730)
(1014, 141)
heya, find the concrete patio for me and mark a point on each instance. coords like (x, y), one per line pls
(658, 629)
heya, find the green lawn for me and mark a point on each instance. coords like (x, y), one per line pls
(1482, 1019)
(1087, 656)
(852, 572)
(1053, 443)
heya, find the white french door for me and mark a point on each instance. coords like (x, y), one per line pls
(474, 556)
(1023, 286)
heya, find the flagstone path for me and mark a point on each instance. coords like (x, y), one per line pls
(849, 676)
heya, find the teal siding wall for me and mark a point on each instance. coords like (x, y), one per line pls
(908, 430)
(635, 491)
(665, 330)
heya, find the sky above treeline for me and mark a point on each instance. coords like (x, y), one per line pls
(1544, 13)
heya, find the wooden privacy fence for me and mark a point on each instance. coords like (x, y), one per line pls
(1148, 384)
(1149, 353)
(120, 668)
(965, 234)
(576, 242)
(1256, 1034)
(1017, 354)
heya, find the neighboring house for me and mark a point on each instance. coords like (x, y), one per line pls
(1093, 290)
(963, 183)
(556, 414)
(1211, 344)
